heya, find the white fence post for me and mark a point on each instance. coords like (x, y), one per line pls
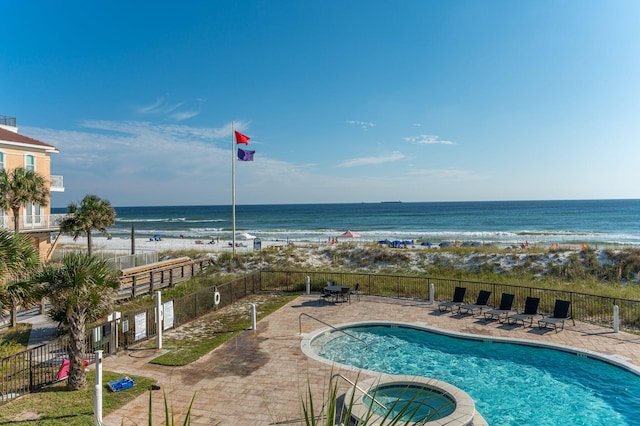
(159, 320)
(97, 391)
(616, 318)
(253, 316)
(308, 281)
(432, 293)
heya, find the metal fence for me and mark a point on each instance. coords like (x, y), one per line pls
(140, 325)
(35, 368)
(32, 369)
(584, 307)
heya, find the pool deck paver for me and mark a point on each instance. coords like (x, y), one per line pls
(260, 377)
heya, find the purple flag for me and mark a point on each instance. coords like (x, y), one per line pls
(245, 155)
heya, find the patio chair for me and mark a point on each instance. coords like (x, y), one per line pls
(506, 301)
(560, 315)
(356, 292)
(530, 311)
(344, 295)
(482, 302)
(325, 295)
(458, 299)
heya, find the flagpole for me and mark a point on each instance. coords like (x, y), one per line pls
(233, 189)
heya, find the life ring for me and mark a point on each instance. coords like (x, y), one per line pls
(216, 298)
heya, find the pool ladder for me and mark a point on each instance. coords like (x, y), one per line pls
(328, 325)
(360, 389)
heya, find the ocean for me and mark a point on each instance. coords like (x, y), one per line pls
(593, 222)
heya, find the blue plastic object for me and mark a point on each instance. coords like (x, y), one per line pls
(121, 384)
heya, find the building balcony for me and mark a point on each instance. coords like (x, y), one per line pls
(57, 183)
(31, 223)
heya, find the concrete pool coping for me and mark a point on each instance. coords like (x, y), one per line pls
(463, 414)
(259, 377)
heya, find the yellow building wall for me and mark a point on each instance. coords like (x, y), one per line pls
(15, 158)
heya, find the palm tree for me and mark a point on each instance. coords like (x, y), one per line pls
(18, 257)
(19, 187)
(92, 213)
(80, 290)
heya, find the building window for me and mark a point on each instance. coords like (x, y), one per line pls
(30, 162)
(2, 166)
(32, 214)
(4, 219)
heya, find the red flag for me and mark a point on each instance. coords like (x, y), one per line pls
(240, 138)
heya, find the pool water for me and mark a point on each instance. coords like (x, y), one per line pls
(511, 384)
(413, 403)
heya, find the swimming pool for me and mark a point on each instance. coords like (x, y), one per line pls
(511, 383)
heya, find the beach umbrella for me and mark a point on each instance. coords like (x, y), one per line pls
(156, 236)
(349, 234)
(247, 236)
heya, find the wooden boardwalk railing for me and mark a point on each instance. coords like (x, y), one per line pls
(146, 279)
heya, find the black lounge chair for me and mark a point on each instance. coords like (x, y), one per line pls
(560, 315)
(482, 302)
(530, 311)
(458, 299)
(504, 309)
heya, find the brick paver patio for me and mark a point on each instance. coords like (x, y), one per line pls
(260, 377)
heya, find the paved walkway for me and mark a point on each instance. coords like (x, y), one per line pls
(260, 377)
(43, 329)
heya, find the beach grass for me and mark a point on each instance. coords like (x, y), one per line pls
(607, 272)
(55, 405)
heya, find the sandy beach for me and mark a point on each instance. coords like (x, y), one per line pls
(163, 244)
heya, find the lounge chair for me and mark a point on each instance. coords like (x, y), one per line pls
(504, 309)
(530, 311)
(482, 302)
(560, 314)
(458, 299)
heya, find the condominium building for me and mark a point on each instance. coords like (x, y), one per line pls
(17, 150)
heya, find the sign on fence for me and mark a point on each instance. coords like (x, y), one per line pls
(141, 326)
(168, 315)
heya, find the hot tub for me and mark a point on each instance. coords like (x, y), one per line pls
(411, 399)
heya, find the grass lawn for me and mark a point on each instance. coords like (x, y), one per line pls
(54, 405)
(14, 339)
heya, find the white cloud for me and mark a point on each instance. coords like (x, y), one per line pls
(367, 161)
(172, 110)
(185, 115)
(138, 163)
(362, 124)
(427, 140)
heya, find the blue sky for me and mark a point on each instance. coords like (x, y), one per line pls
(345, 101)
